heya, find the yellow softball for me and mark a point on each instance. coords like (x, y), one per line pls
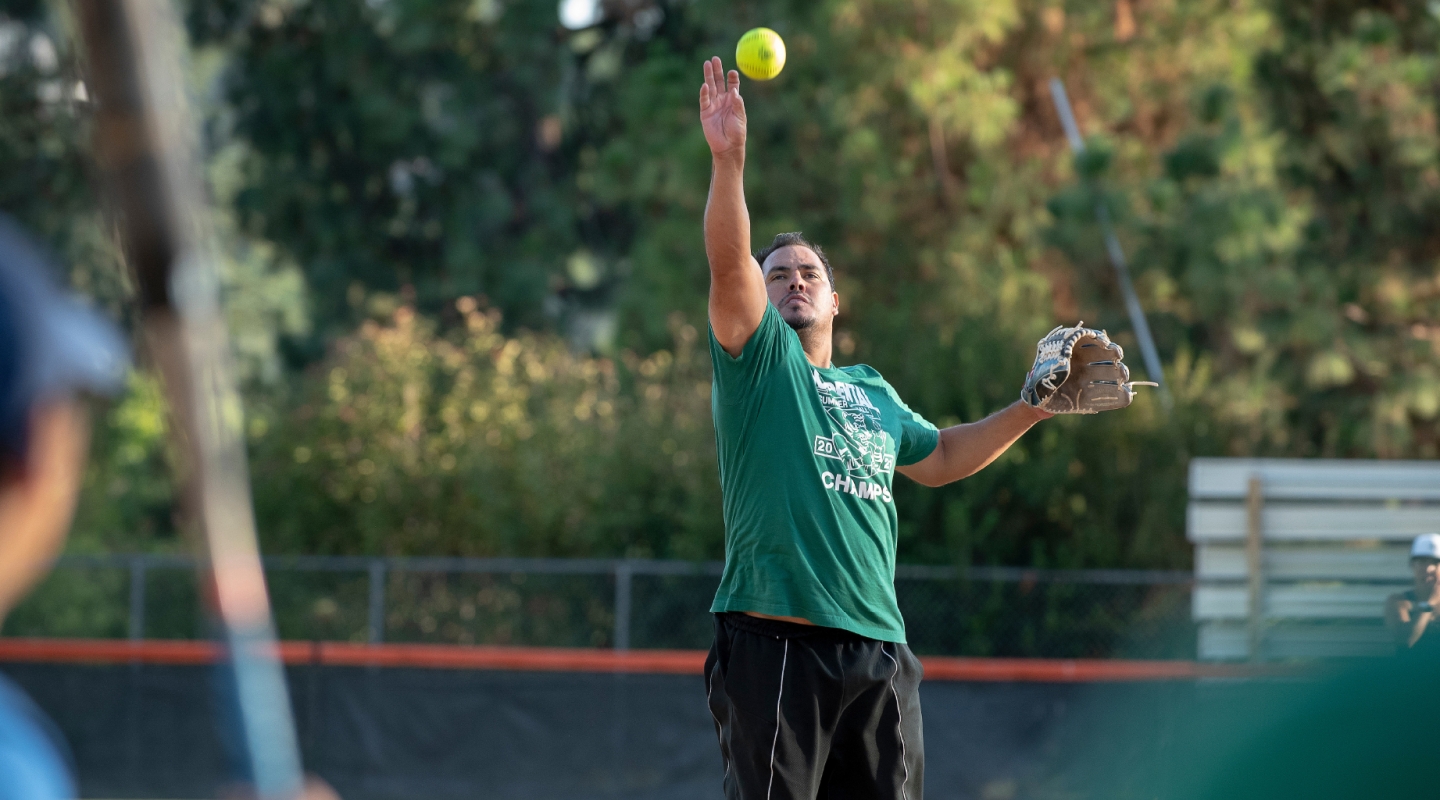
(760, 54)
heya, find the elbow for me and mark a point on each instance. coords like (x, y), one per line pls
(959, 475)
(922, 477)
(949, 479)
(935, 481)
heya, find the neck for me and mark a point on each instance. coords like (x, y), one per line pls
(818, 345)
(1431, 596)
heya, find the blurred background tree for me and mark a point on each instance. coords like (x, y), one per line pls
(456, 230)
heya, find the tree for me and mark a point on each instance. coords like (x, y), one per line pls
(1271, 169)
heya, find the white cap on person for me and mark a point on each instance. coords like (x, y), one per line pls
(1426, 545)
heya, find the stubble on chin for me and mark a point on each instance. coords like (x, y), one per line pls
(799, 323)
(801, 316)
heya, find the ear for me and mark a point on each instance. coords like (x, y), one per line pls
(835, 306)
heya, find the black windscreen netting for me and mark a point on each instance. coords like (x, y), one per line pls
(149, 731)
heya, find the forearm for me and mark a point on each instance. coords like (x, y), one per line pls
(1418, 623)
(966, 449)
(727, 220)
(1406, 623)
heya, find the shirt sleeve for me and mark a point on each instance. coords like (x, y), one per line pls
(918, 437)
(736, 376)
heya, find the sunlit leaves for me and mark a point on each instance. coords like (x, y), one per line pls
(478, 443)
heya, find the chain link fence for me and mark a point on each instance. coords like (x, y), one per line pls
(620, 603)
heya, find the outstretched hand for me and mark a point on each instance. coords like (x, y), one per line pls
(722, 111)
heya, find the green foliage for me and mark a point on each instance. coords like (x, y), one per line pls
(1271, 169)
(82, 603)
(412, 442)
(129, 497)
(43, 131)
(129, 494)
(404, 144)
(1351, 91)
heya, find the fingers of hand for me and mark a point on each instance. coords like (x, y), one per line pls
(734, 81)
(717, 75)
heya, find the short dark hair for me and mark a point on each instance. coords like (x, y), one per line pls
(795, 239)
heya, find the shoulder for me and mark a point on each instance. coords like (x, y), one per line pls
(863, 372)
(866, 375)
(770, 339)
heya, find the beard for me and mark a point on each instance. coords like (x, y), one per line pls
(801, 323)
(798, 319)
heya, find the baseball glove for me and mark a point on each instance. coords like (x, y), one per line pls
(1079, 371)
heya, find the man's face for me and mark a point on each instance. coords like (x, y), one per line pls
(1427, 571)
(798, 287)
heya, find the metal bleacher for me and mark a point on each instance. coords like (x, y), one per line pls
(1294, 558)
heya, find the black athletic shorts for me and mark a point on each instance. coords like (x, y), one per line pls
(808, 712)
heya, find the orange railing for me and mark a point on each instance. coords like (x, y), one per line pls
(559, 659)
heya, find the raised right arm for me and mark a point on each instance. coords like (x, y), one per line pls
(737, 289)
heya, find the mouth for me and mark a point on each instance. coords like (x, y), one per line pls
(794, 298)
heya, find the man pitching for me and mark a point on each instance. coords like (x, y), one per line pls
(813, 690)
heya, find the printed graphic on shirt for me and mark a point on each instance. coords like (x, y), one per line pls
(860, 444)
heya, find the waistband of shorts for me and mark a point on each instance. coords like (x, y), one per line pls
(780, 629)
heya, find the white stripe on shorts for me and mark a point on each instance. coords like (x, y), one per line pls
(719, 729)
(899, 722)
(783, 658)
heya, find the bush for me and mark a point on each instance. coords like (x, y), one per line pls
(406, 441)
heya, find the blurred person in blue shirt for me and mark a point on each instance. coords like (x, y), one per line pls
(51, 349)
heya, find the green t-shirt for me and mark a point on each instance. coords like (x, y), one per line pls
(807, 455)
